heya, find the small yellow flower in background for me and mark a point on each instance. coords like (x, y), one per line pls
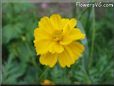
(56, 40)
(47, 82)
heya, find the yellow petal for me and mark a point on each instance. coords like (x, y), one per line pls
(48, 59)
(45, 25)
(70, 24)
(73, 22)
(42, 47)
(75, 50)
(41, 34)
(56, 48)
(65, 59)
(65, 21)
(76, 34)
(47, 82)
(56, 21)
(72, 35)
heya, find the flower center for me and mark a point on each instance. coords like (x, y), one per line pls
(57, 36)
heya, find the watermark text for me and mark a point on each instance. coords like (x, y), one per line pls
(96, 4)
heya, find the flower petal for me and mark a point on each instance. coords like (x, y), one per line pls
(71, 53)
(56, 48)
(45, 25)
(42, 47)
(76, 34)
(65, 21)
(73, 22)
(41, 34)
(72, 35)
(48, 59)
(65, 59)
(56, 21)
(70, 24)
(75, 50)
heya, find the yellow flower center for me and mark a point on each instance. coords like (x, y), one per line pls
(57, 36)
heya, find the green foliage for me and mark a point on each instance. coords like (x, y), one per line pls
(12, 31)
(17, 40)
(21, 65)
(12, 71)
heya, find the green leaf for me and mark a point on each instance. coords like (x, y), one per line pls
(12, 71)
(12, 32)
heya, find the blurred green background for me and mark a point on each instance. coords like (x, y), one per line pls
(20, 62)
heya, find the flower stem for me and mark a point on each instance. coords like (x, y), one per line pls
(42, 75)
(92, 39)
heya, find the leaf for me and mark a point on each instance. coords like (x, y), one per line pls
(25, 52)
(85, 42)
(11, 32)
(12, 71)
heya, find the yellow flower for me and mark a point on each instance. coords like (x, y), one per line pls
(56, 40)
(47, 82)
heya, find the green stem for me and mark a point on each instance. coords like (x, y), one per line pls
(83, 12)
(43, 74)
(31, 55)
(92, 39)
(83, 60)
